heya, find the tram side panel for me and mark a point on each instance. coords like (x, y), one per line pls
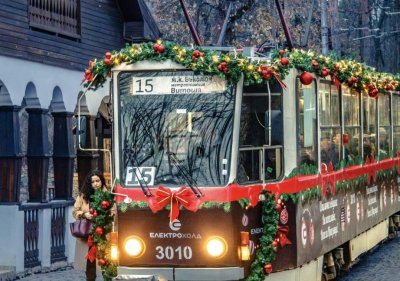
(322, 225)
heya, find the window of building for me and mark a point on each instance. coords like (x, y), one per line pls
(60, 17)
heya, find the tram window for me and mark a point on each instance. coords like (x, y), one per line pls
(396, 123)
(384, 125)
(257, 123)
(307, 122)
(369, 127)
(329, 113)
(352, 124)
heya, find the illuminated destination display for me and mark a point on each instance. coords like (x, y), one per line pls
(165, 85)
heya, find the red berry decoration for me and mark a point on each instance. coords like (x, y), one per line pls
(108, 55)
(161, 48)
(306, 78)
(266, 74)
(284, 61)
(351, 80)
(95, 214)
(196, 54)
(91, 211)
(281, 52)
(324, 72)
(99, 230)
(102, 262)
(389, 87)
(107, 61)
(268, 268)
(104, 204)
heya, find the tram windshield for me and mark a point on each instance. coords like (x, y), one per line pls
(175, 129)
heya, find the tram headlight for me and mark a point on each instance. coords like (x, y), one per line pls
(216, 246)
(134, 246)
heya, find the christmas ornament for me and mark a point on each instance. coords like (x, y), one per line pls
(99, 230)
(281, 52)
(104, 204)
(268, 268)
(102, 262)
(306, 78)
(284, 61)
(91, 211)
(95, 214)
(324, 72)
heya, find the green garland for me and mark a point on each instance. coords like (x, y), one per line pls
(101, 227)
(265, 255)
(232, 65)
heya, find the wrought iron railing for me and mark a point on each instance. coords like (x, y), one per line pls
(57, 235)
(58, 16)
(31, 229)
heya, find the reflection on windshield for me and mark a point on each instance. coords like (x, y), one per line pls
(175, 139)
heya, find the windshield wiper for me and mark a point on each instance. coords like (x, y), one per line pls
(185, 174)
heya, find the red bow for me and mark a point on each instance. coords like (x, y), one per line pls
(281, 234)
(183, 196)
(91, 255)
(327, 178)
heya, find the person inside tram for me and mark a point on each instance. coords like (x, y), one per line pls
(369, 146)
(383, 142)
(329, 153)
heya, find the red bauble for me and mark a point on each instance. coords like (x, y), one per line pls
(345, 138)
(268, 268)
(389, 87)
(91, 211)
(284, 61)
(107, 61)
(108, 55)
(351, 80)
(102, 262)
(95, 214)
(373, 93)
(161, 48)
(324, 72)
(104, 204)
(99, 230)
(306, 78)
(196, 53)
(266, 74)
(315, 64)
(281, 52)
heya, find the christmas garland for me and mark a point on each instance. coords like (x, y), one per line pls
(355, 75)
(102, 204)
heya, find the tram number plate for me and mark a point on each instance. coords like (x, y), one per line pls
(170, 253)
(136, 176)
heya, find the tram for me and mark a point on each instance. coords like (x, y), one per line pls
(226, 166)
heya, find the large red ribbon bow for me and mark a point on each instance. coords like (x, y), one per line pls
(184, 196)
(282, 235)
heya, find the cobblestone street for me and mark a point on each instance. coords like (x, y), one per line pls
(382, 264)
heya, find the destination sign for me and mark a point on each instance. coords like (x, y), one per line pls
(166, 85)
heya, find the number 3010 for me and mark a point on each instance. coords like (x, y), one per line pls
(170, 253)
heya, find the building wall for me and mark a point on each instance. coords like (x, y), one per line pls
(101, 30)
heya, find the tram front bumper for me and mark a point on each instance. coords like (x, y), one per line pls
(180, 274)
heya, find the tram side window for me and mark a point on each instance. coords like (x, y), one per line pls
(254, 138)
(396, 123)
(352, 124)
(369, 127)
(307, 123)
(329, 114)
(384, 126)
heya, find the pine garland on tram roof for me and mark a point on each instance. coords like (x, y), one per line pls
(355, 75)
